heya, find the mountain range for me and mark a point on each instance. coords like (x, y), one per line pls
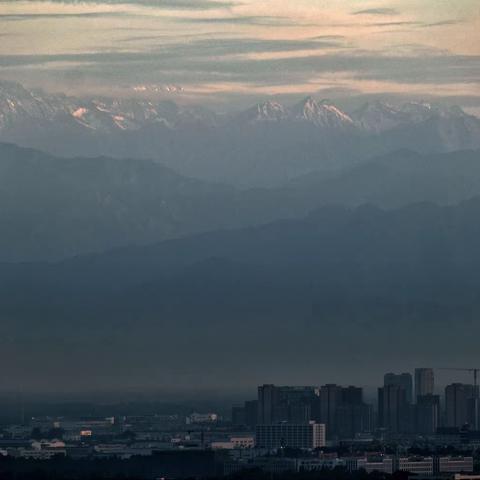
(341, 285)
(265, 145)
(163, 243)
(52, 208)
(19, 105)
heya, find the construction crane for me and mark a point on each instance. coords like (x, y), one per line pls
(471, 370)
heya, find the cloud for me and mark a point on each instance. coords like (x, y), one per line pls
(218, 61)
(329, 37)
(442, 23)
(416, 23)
(201, 51)
(243, 20)
(377, 11)
(416, 50)
(394, 24)
(162, 4)
(17, 17)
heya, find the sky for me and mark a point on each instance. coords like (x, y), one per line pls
(224, 49)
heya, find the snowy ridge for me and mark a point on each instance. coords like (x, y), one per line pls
(20, 107)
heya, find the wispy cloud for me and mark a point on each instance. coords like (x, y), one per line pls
(243, 20)
(416, 23)
(377, 11)
(443, 23)
(232, 42)
(179, 55)
(394, 24)
(18, 17)
(194, 67)
(162, 4)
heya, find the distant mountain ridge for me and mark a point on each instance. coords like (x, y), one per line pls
(19, 105)
(338, 285)
(52, 207)
(265, 145)
(322, 114)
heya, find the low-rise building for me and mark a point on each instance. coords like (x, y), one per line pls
(307, 436)
(454, 465)
(222, 445)
(233, 443)
(39, 454)
(243, 442)
(314, 464)
(202, 418)
(415, 465)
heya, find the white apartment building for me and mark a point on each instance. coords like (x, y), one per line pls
(415, 465)
(454, 464)
(307, 436)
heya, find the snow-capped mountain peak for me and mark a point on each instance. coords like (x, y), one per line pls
(322, 113)
(378, 116)
(25, 113)
(269, 111)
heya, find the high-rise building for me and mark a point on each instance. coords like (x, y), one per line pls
(353, 416)
(238, 415)
(352, 395)
(251, 413)
(459, 398)
(403, 380)
(353, 419)
(427, 414)
(245, 415)
(329, 399)
(299, 412)
(393, 409)
(474, 412)
(267, 404)
(304, 436)
(285, 404)
(424, 382)
(343, 411)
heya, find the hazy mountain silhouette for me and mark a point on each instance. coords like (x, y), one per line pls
(326, 288)
(52, 208)
(265, 145)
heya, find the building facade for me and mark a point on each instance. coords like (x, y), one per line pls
(459, 400)
(403, 380)
(424, 382)
(285, 435)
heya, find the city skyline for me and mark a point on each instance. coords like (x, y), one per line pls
(239, 239)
